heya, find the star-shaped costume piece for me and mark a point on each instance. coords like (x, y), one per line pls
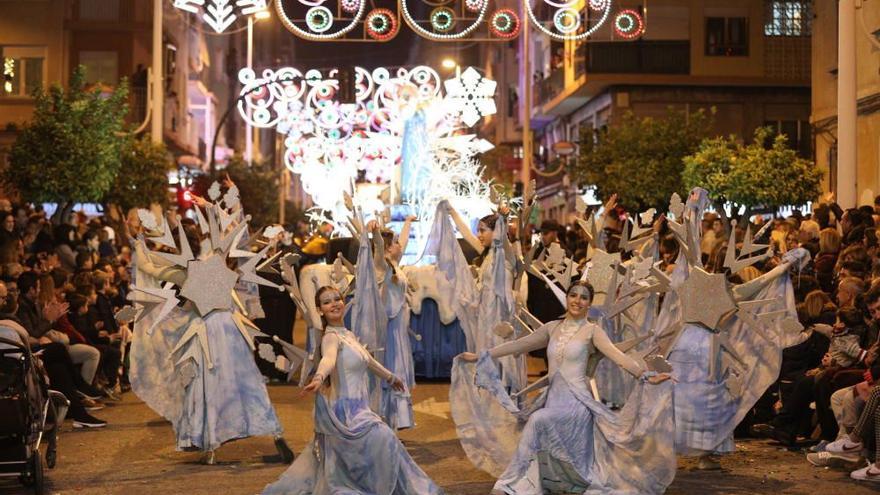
(209, 284)
(705, 298)
(602, 265)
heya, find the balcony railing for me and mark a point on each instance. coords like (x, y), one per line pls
(549, 87)
(639, 57)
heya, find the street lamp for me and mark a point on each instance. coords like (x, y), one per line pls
(450, 63)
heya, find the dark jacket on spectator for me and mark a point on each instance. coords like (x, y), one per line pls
(104, 312)
(31, 318)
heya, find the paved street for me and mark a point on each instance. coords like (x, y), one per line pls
(135, 455)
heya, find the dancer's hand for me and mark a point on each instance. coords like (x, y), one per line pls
(313, 386)
(658, 379)
(468, 357)
(397, 384)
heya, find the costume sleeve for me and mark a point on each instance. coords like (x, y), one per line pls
(606, 347)
(536, 340)
(379, 370)
(749, 289)
(329, 350)
(165, 273)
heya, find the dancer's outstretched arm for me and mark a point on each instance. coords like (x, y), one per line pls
(534, 341)
(403, 238)
(606, 347)
(385, 374)
(465, 229)
(146, 265)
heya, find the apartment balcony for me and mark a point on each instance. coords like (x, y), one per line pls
(638, 57)
(549, 87)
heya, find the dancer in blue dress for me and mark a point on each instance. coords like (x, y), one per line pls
(194, 364)
(395, 408)
(570, 442)
(353, 450)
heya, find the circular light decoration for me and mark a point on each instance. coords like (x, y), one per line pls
(381, 24)
(474, 5)
(313, 36)
(433, 35)
(443, 19)
(595, 23)
(319, 19)
(504, 24)
(599, 5)
(567, 20)
(628, 24)
(350, 6)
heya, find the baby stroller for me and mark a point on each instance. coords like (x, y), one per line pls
(31, 413)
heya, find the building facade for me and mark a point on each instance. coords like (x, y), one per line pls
(750, 60)
(824, 94)
(43, 41)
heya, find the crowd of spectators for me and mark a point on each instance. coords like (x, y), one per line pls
(60, 288)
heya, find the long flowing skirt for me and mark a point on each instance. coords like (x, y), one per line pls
(397, 406)
(564, 441)
(353, 452)
(206, 404)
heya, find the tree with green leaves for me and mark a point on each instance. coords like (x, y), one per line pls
(640, 158)
(70, 150)
(765, 173)
(143, 175)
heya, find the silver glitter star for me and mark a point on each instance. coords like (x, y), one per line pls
(209, 284)
(705, 298)
(601, 269)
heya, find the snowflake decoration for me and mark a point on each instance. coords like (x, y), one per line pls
(471, 96)
(220, 14)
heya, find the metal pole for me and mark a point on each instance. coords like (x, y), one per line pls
(847, 133)
(249, 132)
(526, 170)
(158, 100)
(283, 182)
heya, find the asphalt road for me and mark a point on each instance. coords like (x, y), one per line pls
(135, 455)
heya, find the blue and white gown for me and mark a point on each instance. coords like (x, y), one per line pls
(209, 398)
(354, 451)
(569, 442)
(396, 408)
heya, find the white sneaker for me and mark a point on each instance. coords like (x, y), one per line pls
(869, 473)
(844, 446)
(824, 458)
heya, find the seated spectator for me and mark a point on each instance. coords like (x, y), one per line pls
(64, 247)
(848, 290)
(82, 354)
(826, 260)
(56, 361)
(111, 355)
(85, 262)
